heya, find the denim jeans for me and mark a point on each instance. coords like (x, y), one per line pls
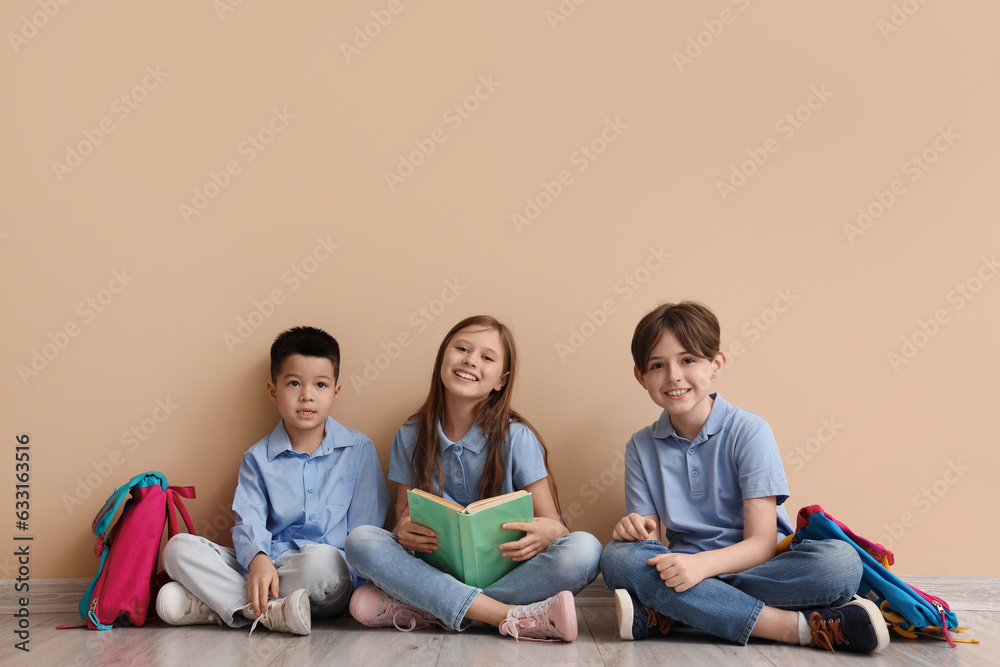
(569, 563)
(814, 573)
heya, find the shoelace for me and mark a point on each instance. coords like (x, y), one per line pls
(535, 615)
(825, 633)
(659, 621)
(272, 605)
(201, 610)
(395, 610)
(411, 618)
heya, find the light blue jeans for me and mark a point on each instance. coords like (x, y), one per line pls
(813, 574)
(568, 564)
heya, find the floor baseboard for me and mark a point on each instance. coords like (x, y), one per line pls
(47, 596)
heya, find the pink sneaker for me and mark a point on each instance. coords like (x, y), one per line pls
(548, 620)
(373, 607)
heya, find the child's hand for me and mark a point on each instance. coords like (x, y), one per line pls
(634, 527)
(540, 534)
(414, 537)
(679, 571)
(262, 580)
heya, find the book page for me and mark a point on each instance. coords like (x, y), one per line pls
(439, 500)
(490, 502)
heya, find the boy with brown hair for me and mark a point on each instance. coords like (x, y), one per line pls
(711, 475)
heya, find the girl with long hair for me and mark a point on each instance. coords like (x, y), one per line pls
(466, 443)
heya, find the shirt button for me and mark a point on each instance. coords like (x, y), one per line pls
(690, 452)
(461, 488)
(312, 517)
(312, 490)
(694, 473)
(459, 473)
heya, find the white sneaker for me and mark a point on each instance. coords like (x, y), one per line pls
(177, 606)
(290, 614)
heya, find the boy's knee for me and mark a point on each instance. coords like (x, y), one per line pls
(319, 561)
(836, 561)
(176, 548)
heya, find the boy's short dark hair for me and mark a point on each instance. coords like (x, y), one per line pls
(307, 341)
(694, 324)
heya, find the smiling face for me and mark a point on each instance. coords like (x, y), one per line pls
(473, 364)
(679, 381)
(304, 392)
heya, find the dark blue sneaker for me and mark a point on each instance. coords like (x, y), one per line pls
(636, 621)
(857, 626)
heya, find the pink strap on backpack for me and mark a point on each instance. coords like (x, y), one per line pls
(175, 504)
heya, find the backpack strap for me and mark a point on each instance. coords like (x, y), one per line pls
(103, 519)
(175, 505)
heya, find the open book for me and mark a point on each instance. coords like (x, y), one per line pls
(468, 537)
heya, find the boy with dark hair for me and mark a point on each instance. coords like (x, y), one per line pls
(711, 475)
(301, 490)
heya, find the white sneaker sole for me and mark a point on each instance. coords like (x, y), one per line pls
(878, 621)
(626, 613)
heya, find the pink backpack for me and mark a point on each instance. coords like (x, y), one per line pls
(130, 554)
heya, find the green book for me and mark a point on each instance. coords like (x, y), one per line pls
(468, 537)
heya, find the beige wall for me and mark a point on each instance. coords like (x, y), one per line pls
(137, 301)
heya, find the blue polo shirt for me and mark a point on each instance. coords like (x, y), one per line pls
(463, 462)
(697, 487)
(287, 499)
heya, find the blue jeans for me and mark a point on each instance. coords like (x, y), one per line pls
(568, 564)
(814, 573)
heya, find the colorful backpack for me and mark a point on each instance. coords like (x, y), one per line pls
(130, 552)
(908, 610)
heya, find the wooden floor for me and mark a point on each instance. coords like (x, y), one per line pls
(342, 641)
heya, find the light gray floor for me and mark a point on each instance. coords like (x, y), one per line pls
(343, 641)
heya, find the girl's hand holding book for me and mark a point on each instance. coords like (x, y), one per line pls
(414, 537)
(540, 534)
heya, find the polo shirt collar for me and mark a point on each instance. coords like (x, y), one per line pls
(663, 429)
(336, 436)
(473, 440)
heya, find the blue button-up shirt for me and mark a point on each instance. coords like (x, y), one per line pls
(463, 462)
(697, 487)
(287, 499)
